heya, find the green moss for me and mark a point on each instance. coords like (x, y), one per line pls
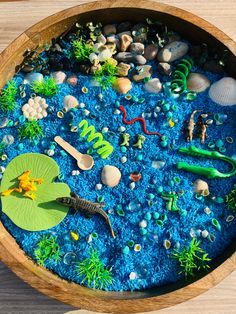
(106, 75)
(30, 130)
(2, 147)
(81, 50)
(231, 200)
(192, 259)
(47, 248)
(93, 271)
(8, 97)
(46, 87)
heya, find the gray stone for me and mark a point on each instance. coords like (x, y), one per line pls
(153, 86)
(164, 68)
(137, 48)
(130, 57)
(141, 72)
(150, 52)
(173, 51)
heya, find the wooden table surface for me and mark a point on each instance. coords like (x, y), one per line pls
(16, 296)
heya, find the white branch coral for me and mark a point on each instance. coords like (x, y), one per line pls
(35, 108)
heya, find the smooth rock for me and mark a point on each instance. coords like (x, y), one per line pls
(27, 68)
(223, 92)
(111, 176)
(173, 51)
(122, 85)
(150, 52)
(33, 77)
(72, 80)
(109, 29)
(164, 68)
(137, 48)
(125, 41)
(130, 57)
(201, 187)
(70, 102)
(59, 77)
(141, 72)
(153, 86)
(123, 69)
(197, 82)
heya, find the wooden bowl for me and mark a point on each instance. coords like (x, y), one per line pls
(191, 27)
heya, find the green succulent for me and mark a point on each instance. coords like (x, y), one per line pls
(47, 248)
(8, 97)
(46, 87)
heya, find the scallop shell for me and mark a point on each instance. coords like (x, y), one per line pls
(223, 92)
(70, 102)
(197, 82)
(111, 176)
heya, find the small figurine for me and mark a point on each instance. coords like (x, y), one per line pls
(140, 141)
(126, 138)
(88, 208)
(202, 130)
(26, 185)
(191, 126)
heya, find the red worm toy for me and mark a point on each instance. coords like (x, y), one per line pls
(142, 120)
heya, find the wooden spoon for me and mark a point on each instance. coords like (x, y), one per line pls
(84, 162)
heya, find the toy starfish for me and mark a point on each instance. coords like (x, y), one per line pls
(26, 185)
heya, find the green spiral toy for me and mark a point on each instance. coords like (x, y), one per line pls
(180, 75)
(104, 148)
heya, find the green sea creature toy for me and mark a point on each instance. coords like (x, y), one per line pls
(192, 259)
(140, 141)
(8, 96)
(30, 130)
(94, 272)
(47, 249)
(171, 199)
(46, 87)
(231, 200)
(210, 172)
(81, 49)
(126, 138)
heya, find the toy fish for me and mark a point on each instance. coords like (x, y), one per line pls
(88, 208)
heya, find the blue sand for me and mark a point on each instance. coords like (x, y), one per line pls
(153, 263)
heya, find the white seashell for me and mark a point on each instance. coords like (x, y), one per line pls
(59, 77)
(201, 187)
(121, 129)
(50, 152)
(132, 185)
(137, 247)
(204, 115)
(223, 92)
(197, 82)
(153, 86)
(93, 57)
(209, 121)
(98, 186)
(89, 238)
(133, 275)
(75, 172)
(105, 130)
(81, 105)
(229, 218)
(172, 51)
(167, 244)
(35, 108)
(207, 210)
(70, 102)
(101, 39)
(123, 159)
(96, 47)
(205, 233)
(143, 224)
(111, 176)
(33, 77)
(117, 111)
(86, 112)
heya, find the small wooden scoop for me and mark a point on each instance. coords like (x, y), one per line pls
(84, 162)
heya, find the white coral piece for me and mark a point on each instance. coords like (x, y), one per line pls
(35, 108)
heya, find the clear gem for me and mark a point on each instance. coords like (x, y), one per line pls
(134, 205)
(158, 164)
(70, 258)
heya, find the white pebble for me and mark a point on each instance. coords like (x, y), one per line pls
(117, 111)
(89, 238)
(50, 152)
(132, 185)
(133, 275)
(81, 105)
(2, 169)
(98, 186)
(105, 130)
(123, 159)
(205, 233)
(207, 210)
(75, 172)
(121, 129)
(143, 224)
(86, 112)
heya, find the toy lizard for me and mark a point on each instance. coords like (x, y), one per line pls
(88, 208)
(26, 186)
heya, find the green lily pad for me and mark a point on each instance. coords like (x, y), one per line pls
(43, 212)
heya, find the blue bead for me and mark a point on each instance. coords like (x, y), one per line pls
(148, 216)
(123, 149)
(156, 215)
(139, 157)
(164, 143)
(125, 250)
(159, 189)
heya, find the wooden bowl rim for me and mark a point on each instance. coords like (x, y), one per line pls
(52, 285)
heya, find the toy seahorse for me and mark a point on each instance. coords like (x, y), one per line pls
(104, 148)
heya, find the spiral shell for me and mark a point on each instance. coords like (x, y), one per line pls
(223, 92)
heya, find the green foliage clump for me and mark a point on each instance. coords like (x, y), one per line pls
(8, 96)
(81, 50)
(47, 248)
(30, 130)
(2, 147)
(93, 271)
(106, 75)
(192, 259)
(231, 200)
(46, 87)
